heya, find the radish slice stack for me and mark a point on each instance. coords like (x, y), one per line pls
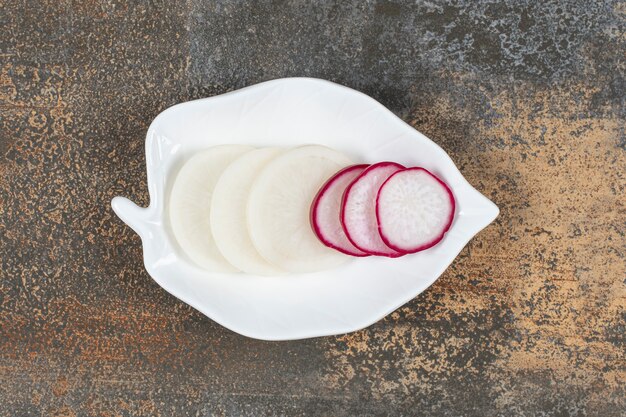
(386, 210)
(272, 211)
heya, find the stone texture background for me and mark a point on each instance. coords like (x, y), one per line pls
(526, 96)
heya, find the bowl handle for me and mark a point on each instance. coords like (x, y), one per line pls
(131, 214)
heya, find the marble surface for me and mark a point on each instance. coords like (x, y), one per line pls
(527, 97)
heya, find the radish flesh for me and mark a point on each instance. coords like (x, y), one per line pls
(358, 212)
(279, 208)
(414, 210)
(190, 205)
(326, 211)
(228, 212)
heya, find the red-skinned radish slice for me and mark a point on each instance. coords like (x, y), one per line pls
(326, 211)
(414, 210)
(358, 209)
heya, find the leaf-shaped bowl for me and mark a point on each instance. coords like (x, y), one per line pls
(291, 112)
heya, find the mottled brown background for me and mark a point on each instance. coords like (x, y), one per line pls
(526, 96)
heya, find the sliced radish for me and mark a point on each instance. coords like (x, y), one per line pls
(358, 212)
(190, 205)
(414, 209)
(228, 212)
(279, 205)
(326, 211)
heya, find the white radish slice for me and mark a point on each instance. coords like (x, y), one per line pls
(279, 205)
(358, 212)
(414, 209)
(326, 211)
(190, 205)
(228, 212)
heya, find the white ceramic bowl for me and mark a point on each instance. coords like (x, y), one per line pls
(291, 112)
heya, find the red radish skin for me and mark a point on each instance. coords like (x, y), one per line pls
(448, 205)
(326, 210)
(358, 210)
